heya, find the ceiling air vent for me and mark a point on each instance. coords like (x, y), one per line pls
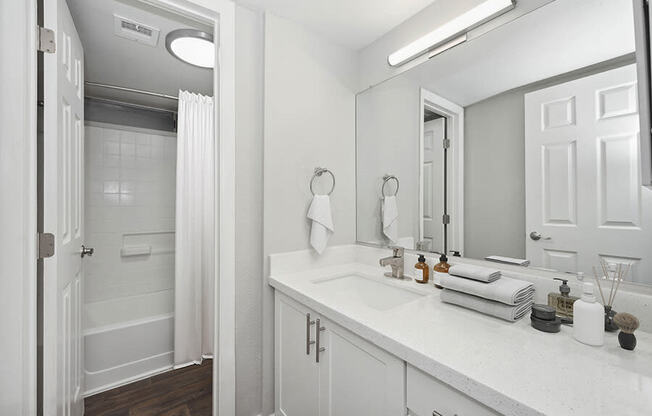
(130, 29)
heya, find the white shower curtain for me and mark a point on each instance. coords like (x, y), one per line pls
(195, 232)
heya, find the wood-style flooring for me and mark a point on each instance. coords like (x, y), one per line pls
(187, 391)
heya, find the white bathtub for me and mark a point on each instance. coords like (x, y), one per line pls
(127, 339)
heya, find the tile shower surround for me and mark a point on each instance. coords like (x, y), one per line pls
(130, 200)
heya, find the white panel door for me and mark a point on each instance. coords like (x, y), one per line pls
(63, 215)
(433, 184)
(297, 373)
(583, 185)
(358, 378)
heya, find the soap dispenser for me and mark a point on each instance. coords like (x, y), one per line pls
(562, 301)
(440, 269)
(421, 270)
(588, 318)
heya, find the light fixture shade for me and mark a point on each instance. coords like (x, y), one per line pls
(452, 29)
(192, 46)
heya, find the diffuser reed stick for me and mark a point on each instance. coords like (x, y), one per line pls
(597, 280)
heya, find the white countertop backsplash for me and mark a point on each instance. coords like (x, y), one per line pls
(510, 367)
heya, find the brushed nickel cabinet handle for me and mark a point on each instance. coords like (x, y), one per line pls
(309, 323)
(317, 336)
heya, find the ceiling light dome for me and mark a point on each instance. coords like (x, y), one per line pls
(192, 46)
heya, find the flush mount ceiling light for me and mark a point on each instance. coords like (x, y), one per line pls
(452, 29)
(192, 46)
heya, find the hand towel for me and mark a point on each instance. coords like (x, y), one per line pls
(487, 307)
(322, 222)
(390, 218)
(508, 260)
(505, 290)
(481, 274)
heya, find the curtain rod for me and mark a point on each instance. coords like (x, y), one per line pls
(119, 88)
(125, 104)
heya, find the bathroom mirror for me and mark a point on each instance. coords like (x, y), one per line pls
(521, 145)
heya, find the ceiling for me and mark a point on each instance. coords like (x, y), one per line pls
(110, 59)
(350, 23)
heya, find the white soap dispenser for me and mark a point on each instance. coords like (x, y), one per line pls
(588, 318)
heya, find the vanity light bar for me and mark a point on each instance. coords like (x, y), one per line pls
(454, 28)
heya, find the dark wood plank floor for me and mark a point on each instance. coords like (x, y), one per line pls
(184, 392)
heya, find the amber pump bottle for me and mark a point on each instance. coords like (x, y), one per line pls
(421, 270)
(440, 269)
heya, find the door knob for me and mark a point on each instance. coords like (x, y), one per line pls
(87, 251)
(537, 236)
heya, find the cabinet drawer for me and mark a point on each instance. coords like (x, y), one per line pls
(427, 396)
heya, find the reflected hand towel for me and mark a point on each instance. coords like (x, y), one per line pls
(390, 218)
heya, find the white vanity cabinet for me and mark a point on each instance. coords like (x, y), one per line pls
(427, 396)
(350, 376)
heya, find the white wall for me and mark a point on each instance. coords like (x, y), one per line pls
(249, 210)
(17, 208)
(130, 200)
(309, 121)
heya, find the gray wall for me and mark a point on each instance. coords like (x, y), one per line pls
(494, 168)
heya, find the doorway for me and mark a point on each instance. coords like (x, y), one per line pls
(109, 191)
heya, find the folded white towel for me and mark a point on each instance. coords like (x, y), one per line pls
(322, 222)
(506, 290)
(479, 273)
(488, 307)
(390, 218)
(508, 260)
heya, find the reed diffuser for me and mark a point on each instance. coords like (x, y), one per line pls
(614, 276)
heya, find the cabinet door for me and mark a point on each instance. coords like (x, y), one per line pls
(297, 373)
(428, 396)
(358, 378)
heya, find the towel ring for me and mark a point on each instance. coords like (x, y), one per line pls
(319, 172)
(386, 179)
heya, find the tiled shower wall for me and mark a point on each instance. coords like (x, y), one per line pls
(130, 205)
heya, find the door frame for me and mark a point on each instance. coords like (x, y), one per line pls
(18, 199)
(22, 158)
(455, 133)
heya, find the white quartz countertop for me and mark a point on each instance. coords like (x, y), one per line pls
(510, 367)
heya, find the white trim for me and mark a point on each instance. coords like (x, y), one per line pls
(455, 116)
(19, 204)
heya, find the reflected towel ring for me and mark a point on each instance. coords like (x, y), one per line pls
(386, 179)
(319, 172)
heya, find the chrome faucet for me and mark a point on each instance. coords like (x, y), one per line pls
(396, 261)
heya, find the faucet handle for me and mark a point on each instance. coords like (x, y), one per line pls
(398, 251)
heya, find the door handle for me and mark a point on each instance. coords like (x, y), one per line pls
(87, 251)
(536, 236)
(319, 349)
(309, 323)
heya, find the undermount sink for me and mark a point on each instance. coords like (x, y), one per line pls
(373, 293)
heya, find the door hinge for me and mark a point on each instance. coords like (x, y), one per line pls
(45, 245)
(446, 143)
(446, 219)
(46, 40)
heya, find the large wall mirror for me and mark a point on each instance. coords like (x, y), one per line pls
(522, 145)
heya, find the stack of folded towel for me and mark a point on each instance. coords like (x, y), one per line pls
(486, 291)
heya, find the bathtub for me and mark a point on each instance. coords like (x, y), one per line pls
(127, 339)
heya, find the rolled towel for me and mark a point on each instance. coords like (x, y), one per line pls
(505, 290)
(508, 260)
(487, 307)
(322, 222)
(482, 274)
(390, 218)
